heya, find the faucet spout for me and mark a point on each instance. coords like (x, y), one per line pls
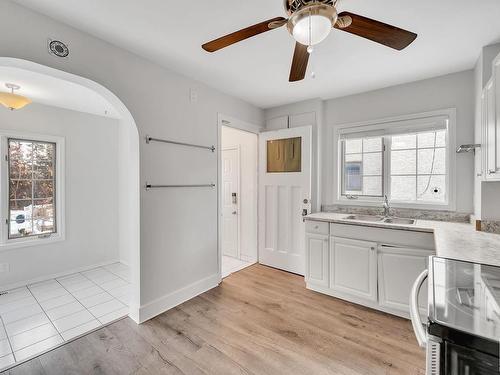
(387, 207)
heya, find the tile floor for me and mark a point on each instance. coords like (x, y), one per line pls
(231, 265)
(41, 316)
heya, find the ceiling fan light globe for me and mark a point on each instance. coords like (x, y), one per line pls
(312, 30)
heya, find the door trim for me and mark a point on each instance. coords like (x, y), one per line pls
(236, 148)
(234, 123)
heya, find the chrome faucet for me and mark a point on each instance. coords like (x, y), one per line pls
(387, 207)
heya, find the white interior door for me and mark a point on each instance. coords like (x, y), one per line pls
(284, 197)
(230, 202)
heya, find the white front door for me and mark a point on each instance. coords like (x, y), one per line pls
(284, 197)
(230, 202)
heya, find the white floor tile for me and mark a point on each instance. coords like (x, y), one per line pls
(57, 302)
(14, 295)
(15, 305)
(118, 292)
(32, 336)
(80, 330)
(26, 324)
(44, 295)
(4, 348)
(96, 300)
(72, 321)
(106, 308)
(85, 284)
(42, 316)
(65, 310)
(21, 313)
(112, 316)
(85, 293)
(6, 361)
(113, 284)
(38, 348)
(100, 276)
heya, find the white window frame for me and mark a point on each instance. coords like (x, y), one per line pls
(59, 235)
(396, 125)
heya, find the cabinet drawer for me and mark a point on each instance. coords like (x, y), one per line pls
(317, 227)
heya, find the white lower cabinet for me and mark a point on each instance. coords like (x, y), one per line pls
(374, 274)
(398, 268)
(353, 267)
(317, 259)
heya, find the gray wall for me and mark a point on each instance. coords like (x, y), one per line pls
(91, 192)
(178, 246)
(450, 91)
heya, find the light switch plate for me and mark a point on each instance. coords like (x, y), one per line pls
(193, 96)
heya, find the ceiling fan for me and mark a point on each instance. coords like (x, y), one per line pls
(310, 22)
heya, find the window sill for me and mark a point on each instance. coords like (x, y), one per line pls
(16, 244)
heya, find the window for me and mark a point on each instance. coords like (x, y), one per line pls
(30, 189)
(32, 196)
(363, 167)
(418, 167)
(409, 161)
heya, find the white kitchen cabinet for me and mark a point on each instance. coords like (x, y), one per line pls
(490, 126)
(317, 259)
(398, 268)
(353, 268)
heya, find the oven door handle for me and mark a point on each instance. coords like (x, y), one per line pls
(416, 321)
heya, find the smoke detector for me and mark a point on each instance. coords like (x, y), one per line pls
(58, 48)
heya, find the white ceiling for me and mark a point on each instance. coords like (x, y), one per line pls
(451, 34)
(56, 92)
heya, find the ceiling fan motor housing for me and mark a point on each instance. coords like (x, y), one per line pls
(292, 6)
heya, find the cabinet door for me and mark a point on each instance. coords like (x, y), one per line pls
(398, 268)
(353, 267)
(496, 110)
(491, 131)
(317, 259)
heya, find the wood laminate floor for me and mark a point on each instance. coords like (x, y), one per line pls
(259, 321)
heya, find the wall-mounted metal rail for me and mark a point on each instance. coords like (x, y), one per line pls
(151, 139)
(149, 186)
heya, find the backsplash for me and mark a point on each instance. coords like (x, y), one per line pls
(490, 226)
(456, 217)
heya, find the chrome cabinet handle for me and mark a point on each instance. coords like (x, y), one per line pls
(416, 321)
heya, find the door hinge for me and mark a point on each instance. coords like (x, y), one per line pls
(6, 158)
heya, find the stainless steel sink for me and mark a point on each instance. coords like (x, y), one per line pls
(395, 220)
(371, 218)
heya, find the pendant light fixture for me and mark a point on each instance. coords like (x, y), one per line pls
(13, 101)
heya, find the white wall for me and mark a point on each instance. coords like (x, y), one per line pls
(450, 91)
(248, 144)
(91, 191)
(178, 239)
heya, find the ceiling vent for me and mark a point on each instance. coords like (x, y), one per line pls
(58, 48)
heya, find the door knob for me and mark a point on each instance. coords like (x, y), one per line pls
(304, 212)
(234, 212)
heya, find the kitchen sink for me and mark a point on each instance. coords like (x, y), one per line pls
(399, 221)
(364, 218)
(380, 219)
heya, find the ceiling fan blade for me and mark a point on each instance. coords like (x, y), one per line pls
(249, 32)
(376, 31)
(299, 63)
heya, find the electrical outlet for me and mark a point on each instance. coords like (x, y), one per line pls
(193, 96)
(4, 267)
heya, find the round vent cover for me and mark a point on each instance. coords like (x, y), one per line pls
(292, 6)
(58, 48)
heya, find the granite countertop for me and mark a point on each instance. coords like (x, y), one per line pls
(453, 240)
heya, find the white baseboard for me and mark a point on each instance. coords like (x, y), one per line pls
(165, 303)
(56, 275)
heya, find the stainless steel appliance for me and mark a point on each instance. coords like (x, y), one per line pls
(462, 331)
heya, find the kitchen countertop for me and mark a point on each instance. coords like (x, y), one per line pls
(453, 240)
